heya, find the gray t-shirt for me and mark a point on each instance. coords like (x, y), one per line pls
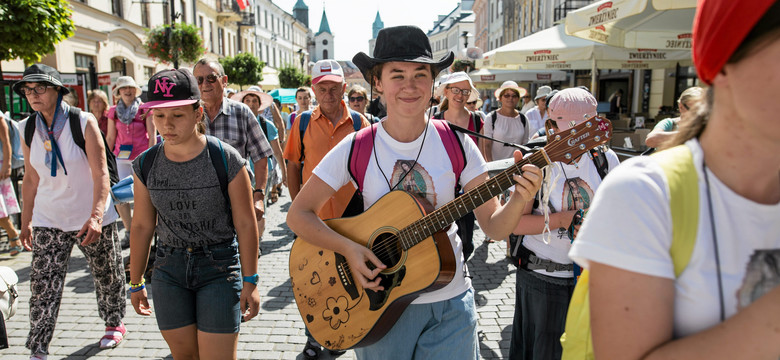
(191, 210)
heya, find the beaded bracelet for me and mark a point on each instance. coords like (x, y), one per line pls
(141, 284)
(137, 288)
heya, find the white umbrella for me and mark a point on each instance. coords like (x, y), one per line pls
(553, 49)
(499, 76)
(664, 24)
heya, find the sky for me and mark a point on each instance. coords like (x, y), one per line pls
(351, 20)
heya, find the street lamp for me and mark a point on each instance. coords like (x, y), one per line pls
(300, 57)
(465, 35)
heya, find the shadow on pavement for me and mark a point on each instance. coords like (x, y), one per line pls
(279, 297)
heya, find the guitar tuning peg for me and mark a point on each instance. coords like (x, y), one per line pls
(589, 155)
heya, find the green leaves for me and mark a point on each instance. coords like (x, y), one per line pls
(29, 29)
(243, 69)
(292, 77)
(184, 43)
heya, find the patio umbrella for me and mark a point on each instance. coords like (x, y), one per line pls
(499, 76)
(656, 24)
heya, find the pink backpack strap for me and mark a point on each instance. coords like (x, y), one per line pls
(454, 149)
(360, 154)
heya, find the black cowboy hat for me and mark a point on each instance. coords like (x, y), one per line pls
(401, 43)
(40, 73)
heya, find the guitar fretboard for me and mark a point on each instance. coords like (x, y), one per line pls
(467, 202)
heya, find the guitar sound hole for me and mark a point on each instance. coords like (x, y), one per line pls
(388, 249)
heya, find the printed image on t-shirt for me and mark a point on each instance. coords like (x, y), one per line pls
(577, 194)
(417, 181)
(762, 275)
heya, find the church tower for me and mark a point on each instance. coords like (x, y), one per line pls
(323, 40)
(378, 25)
(301, 12)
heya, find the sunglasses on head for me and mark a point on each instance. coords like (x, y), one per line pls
(356, 98)
(211, 78)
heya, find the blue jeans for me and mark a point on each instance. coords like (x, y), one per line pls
(198, 285)
(441, 330)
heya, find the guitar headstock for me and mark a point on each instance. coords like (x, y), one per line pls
(568, 145)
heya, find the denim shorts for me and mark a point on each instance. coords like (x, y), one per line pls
(198, 285)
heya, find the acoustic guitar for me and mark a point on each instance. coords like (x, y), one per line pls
(407, 235)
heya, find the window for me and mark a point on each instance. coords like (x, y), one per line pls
(220, 41)
(82, 61)
(274, 62)
(325, 54)
(324, 41)
(116, 8)
(267, 55)
(166, 11)
(265, 22)
(200, 27)
(211, 36)
(183, 6)
(145, 15)
(148, 72)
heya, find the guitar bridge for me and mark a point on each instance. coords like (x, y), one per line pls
(345, 276)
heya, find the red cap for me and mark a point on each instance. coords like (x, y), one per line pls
(719, 28)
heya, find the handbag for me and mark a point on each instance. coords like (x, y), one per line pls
(8, 293)
(122, 192)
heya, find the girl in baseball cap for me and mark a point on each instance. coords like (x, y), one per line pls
(408, 152)
(715, 299)
(196, 223)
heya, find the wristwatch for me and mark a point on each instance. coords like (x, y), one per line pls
(261, 191)
(252, 279)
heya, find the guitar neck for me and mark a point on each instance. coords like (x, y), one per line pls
(467, 202)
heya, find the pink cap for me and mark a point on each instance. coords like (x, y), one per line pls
(327, 70)
(572, 104)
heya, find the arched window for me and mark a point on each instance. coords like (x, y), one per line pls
(325, 54)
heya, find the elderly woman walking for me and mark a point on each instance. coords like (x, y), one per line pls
(74, 208)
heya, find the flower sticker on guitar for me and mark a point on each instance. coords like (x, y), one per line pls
(336, 311)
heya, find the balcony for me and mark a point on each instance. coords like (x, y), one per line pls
(560, 11)
(247, 19)
(228, 11)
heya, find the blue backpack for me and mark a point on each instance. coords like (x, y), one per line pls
(303, 123)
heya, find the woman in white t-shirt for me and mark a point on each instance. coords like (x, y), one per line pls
(725, 304)
(408, 155)
(510, 125)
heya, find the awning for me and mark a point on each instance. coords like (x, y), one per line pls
(285, 96)
(657, 24)
(499, 76)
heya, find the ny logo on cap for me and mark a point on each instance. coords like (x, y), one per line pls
(162, 85)
(325, 68)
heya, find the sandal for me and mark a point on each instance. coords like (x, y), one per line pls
(337, 353)
(15, 249)
(311, 351)
(114, 335)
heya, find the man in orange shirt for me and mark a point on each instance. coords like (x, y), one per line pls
(329, 122)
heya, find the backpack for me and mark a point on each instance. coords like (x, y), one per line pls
(494, 116)
(216, 154)
(677, 164)
(303, 123)
(74, 120)
(17, 156)
(363, 144)
(473, 117)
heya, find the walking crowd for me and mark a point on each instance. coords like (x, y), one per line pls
(671, 255)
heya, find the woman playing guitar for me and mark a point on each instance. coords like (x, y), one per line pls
(440, 323)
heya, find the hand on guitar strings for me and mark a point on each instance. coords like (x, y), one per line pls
(358, 257)
(529, 181)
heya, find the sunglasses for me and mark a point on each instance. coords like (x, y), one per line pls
(40, 89)
(456, 91)
(472, 103)
(510, 96)
(211, 78)
(356, 98)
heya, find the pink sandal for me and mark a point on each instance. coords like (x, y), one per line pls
(113, 336)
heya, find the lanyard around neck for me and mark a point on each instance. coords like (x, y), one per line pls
(55, 149)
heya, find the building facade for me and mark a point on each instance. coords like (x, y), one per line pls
(452, 32)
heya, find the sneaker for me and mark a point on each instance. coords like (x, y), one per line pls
(113, 336)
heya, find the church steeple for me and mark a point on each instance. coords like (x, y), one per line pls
(301, 12)
(378, 25)
(324, 27)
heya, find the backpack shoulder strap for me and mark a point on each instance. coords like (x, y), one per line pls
(263, 125)
(454, 149)
(357, 122)
(493, 118)
(74, 116)
(219, 161)
(600, 160)
(303, 123)
(683, 180)
(147, 160)
(523, 119)
(29, 128)
(360, 154)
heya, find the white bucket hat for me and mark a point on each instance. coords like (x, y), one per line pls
(126, 81)
(453, 78)
(510, 85)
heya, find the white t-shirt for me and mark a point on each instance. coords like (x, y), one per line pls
(580, 180)
(507, 129)
(535, 119)
(432, 178)
(629, 227)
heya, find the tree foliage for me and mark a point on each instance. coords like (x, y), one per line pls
(292, 77)
(243, 69)
(183, 44)
(462, 65)
(29, 29)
